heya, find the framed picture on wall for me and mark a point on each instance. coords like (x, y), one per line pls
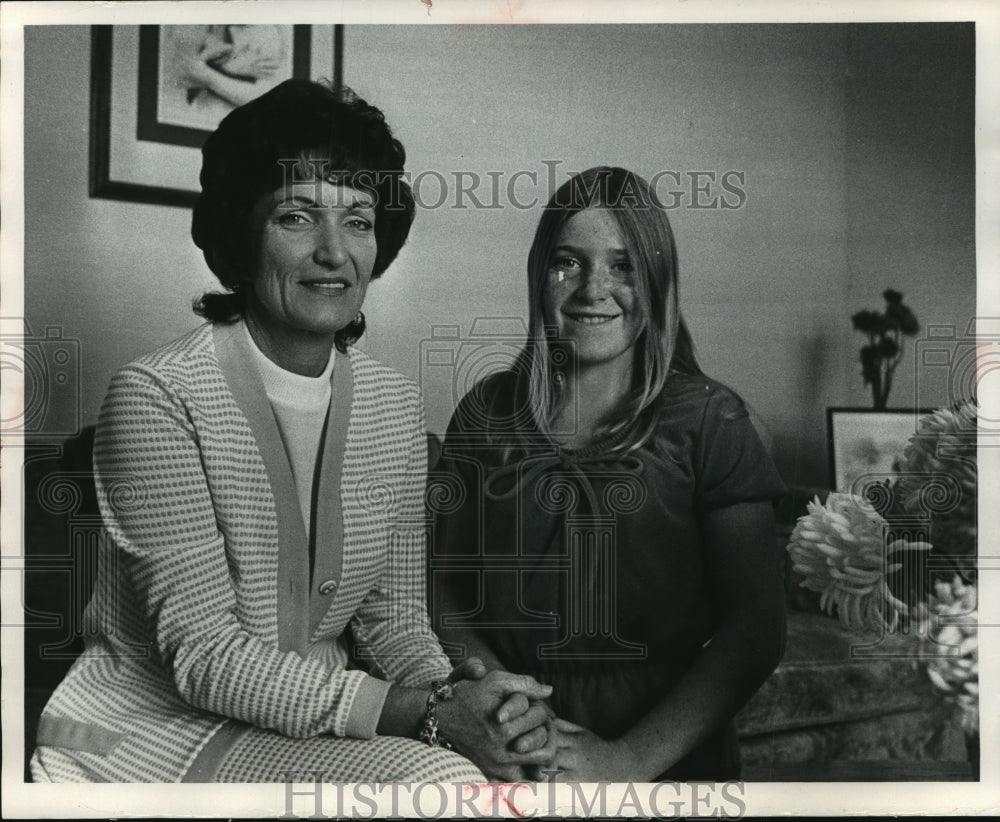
(157, 92)
(866, 445)
(190, 77)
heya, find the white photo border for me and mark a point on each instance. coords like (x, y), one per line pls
(223, 801)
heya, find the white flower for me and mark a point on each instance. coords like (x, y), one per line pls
(951, 647)
(938, 475)
(839, 548)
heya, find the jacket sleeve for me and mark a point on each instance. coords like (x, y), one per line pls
(392, 624)
(173, 557)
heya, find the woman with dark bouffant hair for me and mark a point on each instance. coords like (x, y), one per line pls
(260, 608)
(264, 149)
(614, 533)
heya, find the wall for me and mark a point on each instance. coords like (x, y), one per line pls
(855, 142)
(911, 193)
(117, 276)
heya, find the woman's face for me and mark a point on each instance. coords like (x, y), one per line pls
(590, 291)
(317, 251)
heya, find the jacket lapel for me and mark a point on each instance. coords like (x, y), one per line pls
(327, 507)
(237, 366)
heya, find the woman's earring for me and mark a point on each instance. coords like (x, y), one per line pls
(359, 319)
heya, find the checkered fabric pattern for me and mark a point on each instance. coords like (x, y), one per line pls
(183, 625)
(264, 756)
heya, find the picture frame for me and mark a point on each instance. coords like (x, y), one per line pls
(147, 128)
(865, 444)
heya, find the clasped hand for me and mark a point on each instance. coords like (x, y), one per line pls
(498, 721)
(583, 756)
(512, 734)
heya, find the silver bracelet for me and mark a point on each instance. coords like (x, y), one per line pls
(441, 691)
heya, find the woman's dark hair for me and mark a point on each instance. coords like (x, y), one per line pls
(301, 131)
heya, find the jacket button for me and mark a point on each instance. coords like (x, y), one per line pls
(328, 587)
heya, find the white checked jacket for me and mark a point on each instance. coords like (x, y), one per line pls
(204, 610)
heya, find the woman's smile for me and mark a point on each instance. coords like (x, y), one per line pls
(328, 286)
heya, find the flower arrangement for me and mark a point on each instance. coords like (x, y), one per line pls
(952, 648)
(884, 350)
(837, 547)
(849, 553)
(938, 473)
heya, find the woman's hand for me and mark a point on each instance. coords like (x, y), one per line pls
(536, 738)
(583, 756)
(482, 721)
(515, 706)
(471, 668)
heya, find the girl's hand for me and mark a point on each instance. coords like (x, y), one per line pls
(583, 756)
(480, 722)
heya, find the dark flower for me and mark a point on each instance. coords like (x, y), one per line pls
(908, 323)
(885, 331)
(902, 318)
(887, 348)
(861, 321)
(869, 363)
(868, 322)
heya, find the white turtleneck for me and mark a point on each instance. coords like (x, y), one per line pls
(300, 406)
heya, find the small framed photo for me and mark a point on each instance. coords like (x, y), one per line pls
(867, 445)
(157, 92)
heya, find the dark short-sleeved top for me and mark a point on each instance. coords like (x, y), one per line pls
(585, 567)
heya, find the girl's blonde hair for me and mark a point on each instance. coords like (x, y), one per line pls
(663, 345)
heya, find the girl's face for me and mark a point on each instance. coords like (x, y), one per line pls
(590, 293)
